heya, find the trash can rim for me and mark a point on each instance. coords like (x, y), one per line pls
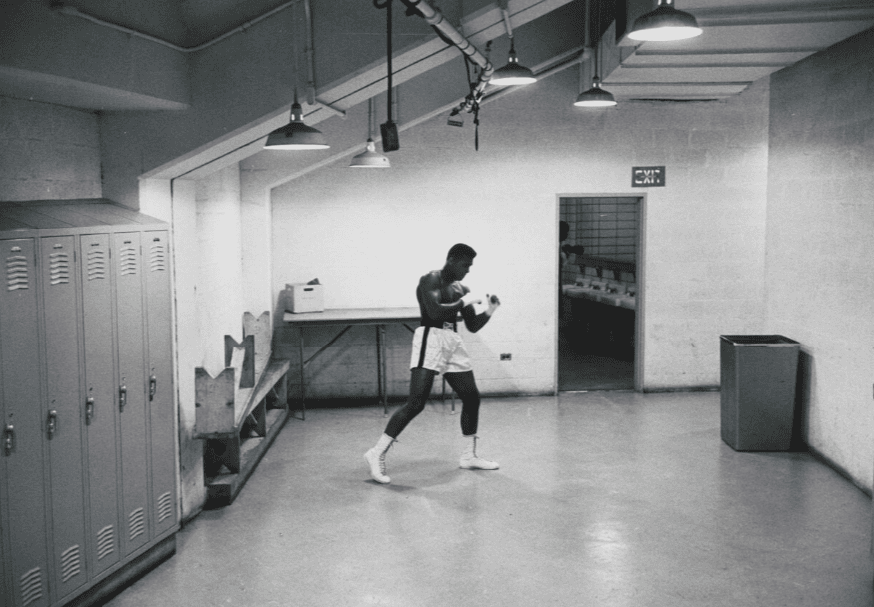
(759, 340)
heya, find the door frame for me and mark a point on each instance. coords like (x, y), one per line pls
(640, 261)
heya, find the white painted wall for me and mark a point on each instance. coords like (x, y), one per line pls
(219, 293)
(189, 345)
(819, 261)
(47, 152)
(368, 236)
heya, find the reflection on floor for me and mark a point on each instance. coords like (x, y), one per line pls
(603, 499)
(582, 368)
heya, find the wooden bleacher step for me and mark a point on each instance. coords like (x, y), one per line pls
(240, 411)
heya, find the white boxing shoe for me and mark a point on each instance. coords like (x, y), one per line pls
(375, 458)
(471, 461)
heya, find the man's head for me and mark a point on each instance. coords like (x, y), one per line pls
(564, 229)
(458, 261)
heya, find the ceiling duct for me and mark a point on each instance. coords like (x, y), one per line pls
(451, 35)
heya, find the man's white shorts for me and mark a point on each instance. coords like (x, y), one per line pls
(440, 350)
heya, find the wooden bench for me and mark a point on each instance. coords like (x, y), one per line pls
(240, 411)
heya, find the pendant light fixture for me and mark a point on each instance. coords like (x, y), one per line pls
(665, 23)
(370, 158)
(514, 73)
(595, 96)
(296, 135)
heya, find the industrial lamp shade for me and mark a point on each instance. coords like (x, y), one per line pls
(296, 135)
(370, 158)
(665, 23)
(513, 73)
(595, 96)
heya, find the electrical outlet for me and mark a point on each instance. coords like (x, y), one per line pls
(506, 356)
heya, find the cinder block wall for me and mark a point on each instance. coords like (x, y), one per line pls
(47, 152)
(369, 237)
(819, 260)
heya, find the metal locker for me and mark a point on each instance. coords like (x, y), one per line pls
(160, 371)
(22, 486)
(99, 398)
(62, 412)
(131, 378)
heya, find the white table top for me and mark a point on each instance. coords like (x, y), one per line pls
(354, 316)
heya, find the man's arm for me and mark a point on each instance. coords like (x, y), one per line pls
(473, 321)
(429, 285)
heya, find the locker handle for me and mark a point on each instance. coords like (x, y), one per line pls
(9, 438)
(52, 423)
(122, 397)
(89, 409)
(153, 386)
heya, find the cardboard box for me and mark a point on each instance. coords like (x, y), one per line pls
(304, 298)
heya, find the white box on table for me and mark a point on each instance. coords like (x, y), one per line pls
(304, 298)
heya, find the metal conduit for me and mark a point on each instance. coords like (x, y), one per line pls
(435, 19)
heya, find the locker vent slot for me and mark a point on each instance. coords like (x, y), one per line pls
(70, 563)
(59, 268)
(157, 257)
(165, 506)
(128, 260)
(137, 523)
(17, 275)
(105, 541)
(31, 586)
(96, 264)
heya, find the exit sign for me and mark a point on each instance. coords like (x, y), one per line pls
(647, 177)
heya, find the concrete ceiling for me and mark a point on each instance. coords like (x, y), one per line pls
(743, 40)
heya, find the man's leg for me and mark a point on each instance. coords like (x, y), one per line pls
(421, 381)
(464, 385)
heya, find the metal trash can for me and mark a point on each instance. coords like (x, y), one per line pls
(758, 375)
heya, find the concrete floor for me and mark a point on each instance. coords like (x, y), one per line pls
(603, 499)
(585, 371)
(586, 364)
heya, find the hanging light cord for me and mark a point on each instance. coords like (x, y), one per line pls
(598, 37)
(386, 4)
(475, 100)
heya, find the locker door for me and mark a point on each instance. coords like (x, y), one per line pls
(22, 487)
(100, 402)
(62, 412)
(131, 379)
(161, 402)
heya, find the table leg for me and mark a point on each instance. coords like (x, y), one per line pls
(303, 406)
(381, 368)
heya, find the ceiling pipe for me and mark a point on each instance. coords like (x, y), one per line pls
(446, 30)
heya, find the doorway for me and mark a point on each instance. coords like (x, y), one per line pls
(600, 299)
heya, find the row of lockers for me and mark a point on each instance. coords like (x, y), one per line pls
(88, 474)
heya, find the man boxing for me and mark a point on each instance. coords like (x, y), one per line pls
(438, 348)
